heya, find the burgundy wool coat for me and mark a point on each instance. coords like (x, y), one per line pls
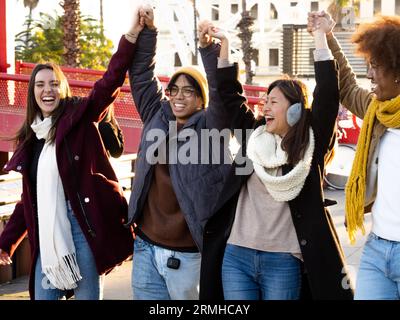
(89, 181)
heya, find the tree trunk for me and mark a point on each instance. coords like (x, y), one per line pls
(101, 19)
(245, 36)
(28, 28)
(31, 4)
(71, 26)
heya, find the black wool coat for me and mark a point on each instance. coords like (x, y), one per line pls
(323, 276)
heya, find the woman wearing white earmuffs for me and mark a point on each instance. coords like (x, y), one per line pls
(271, 237)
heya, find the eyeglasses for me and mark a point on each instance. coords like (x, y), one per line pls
(187, 92)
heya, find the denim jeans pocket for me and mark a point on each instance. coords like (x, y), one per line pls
(371, 236)
(140, 244)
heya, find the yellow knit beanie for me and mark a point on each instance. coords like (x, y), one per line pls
(200, 79)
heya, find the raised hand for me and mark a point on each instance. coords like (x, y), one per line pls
(4, 258)
(320, 21)
(137, 26)
(324, 22)
(202, 32)
(311, 21)
(146, 14)
(217, 33)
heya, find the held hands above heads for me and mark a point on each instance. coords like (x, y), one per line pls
(4, 258)
(207, 31)
(202, 32)
(320, 21)
(147, 16)
(217, 33)
(143, 16)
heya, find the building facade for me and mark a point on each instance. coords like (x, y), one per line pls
(176, 45)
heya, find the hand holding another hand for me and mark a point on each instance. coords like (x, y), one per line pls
(217, 33)
(146, 14)
(320, 22)
(202, 32)
(4, 258)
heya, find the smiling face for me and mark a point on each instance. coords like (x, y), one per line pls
(275, 109)
(184, 99)
(383, 83)
(47, 91)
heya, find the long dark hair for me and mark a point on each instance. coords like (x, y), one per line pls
(25, 133)
(296, 140)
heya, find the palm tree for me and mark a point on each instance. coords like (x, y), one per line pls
(31, 4)
(71, 26)
(245, 36)
(101, 18)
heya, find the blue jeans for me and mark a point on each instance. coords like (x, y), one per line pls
(378, 276)
(249, 274)
(90, 287)
(153, 280)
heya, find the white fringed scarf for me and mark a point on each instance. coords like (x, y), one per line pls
(57, 248)
(264, 149)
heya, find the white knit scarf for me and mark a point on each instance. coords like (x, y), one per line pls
(57, 248)
(264, 149)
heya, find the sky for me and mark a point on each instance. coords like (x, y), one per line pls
(117, 16)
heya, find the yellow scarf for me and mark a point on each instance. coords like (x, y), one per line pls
(387, 113)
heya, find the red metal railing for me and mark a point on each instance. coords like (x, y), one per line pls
(252, 92)
(13, 96)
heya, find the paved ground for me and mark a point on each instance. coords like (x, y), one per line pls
(117, 284)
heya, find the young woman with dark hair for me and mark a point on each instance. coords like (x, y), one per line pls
(72, 207)
(271, 236)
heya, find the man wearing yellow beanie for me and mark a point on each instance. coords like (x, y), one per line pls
(171, 201)
(199, 81)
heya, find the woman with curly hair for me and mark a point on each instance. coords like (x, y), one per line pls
(372, 185)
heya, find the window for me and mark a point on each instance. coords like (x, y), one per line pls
(397, 7)
(234, 8)
(314, 6)
(177, 62)
(377, 6)
(254, 11)
(273, 57)
(293, 4)
(215, 12)
(273, 14)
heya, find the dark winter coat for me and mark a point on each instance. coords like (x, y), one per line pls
(323, 273)
(196, 185)
(89, 181)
